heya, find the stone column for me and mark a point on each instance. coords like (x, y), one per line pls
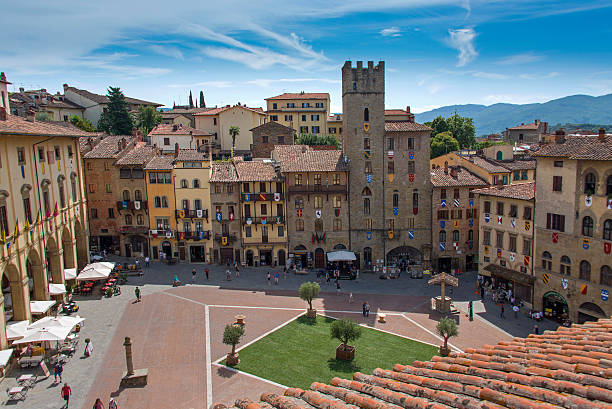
(41, 286)
(3, 340)
(20, 295)
(128, 356)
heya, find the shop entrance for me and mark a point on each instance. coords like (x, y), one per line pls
(300, 257)
(444, 264)
(265, 257)
(249, 258)
(281, 257)
(555, 306)
(404, 256)
(166, 249)
(227, 256)
(319, 258)
(197, 254)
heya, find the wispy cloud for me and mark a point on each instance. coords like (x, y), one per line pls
(539, 76)
(463, 41)
(391, 32)
(263, 82)
(167, 51)
(490, 75)
(518, 59)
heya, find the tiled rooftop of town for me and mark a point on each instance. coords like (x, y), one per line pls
(138, 155)
(567, 368)
(256, 171)
(303, 158)
(455, 176)
(215, 111)
(15, 125)
(103, 99)
(405, 126)
(190, 155)
(522, 191)
(585, 147)
(175, 129)
(110, 147)
(301, 95)
(162, 162)
(223, 172)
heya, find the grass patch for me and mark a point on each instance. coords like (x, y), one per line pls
(302, 352)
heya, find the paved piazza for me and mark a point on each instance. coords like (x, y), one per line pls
(176, 332)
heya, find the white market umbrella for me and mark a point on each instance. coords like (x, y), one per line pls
(5, 355)
(341, 255)
(52, 322)
(101, 265)
(44, 334)
(70, 273)
(57, 289)
(16, 330)
(90, 273)
(40, 307)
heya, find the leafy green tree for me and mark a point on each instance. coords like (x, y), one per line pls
(234, 131)
(316, 139)
(484, 144)
(309, 291)
(232, 335)
(345, 331)
(43, 117)
(82, 123)
(116, 120)
(190, 100)
(202, 103)
(463, 130)
(147, 118)
(438, 125)
(442, 144)
(447, 328)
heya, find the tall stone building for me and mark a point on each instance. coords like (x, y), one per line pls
(390, 220)
(225, 213)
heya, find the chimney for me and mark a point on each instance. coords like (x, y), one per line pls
(31, 115)
(446, 168)
(65, 87)
(602, 135)
(2, 114)
(408, 108)
(90, 143)
(3, 77)
(560, 136)
(454, 172)
(21, 89)
(537, 122)
(176, 149)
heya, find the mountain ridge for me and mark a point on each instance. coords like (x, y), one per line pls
(495, 118)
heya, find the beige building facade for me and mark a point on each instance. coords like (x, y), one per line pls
(306, 112)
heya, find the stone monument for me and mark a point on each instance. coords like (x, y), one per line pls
(132, 378)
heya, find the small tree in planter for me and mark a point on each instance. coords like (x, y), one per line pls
(309, 291)
(231, 336)
(345, 331)
(446, 328)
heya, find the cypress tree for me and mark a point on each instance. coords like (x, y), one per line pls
(202, 103)
(190, 100)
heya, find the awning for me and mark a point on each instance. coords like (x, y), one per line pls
(70, 273)
(16, 330)
(511, 275)
(40, 307)
(45, 334)
(5, 355)
(57, 289)
(93, 272)
(341, 255)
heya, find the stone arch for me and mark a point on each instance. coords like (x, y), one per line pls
(81, 245)
(589, 311)
(408, 254)
(583, 180)
(339, 246)
(68, 247)
(38, 284)
(16, 294)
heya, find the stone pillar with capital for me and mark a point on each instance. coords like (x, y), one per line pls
(20, 296)
(3, 338)
(132, 377)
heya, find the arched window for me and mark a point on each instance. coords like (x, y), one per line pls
(455, 235)
(546, 261)
(126, 195)
(470, 235)
(196, 183)
(395, 198)
(299, 225)
(499, 155)
(366, 191)
(415, 198)
(157, 201)
(184, 184)
(609, 186)
(137, 195)
(587, 226)
(366, 205)
(566, 265)
(442, 236)
(589, 184)
(139, 219)
(605, 277)
(367, 256)
(128, 219)
(61, 189)
(366, 115)
(585, 270)
(318, 225)
(164, 201)
(607, 230)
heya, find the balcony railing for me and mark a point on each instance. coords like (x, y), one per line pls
(191, 214)
(132, 205)
(194, 235)
(318, 189)
(162, 233)
(261, 197)
(267, 219)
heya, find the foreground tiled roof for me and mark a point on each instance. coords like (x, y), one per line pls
(522, 191)
(223, 172)
(138, 155)
(396, 112)
(301, 95)
(103, 99)
(272, 125)
(303, 158)
(579, 147)
(569, 368)
(517, 164)
(488, 164)
(175, 129)
(190, 155)
(405, 126)
(256, 171)
(532, 126)
(464, 178)
(15, 125)
(108, 147)
(163, 162)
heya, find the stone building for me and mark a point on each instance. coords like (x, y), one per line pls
(103, 189)
(306, 112)
(526, 133)
(225, 213)
(43, 213)
(166, 137)
(181, 116)
(390, 218)
(263, 212)
(56, 106)
(506, 235)
(266, 136)
(132, 202)
(574, 227)
(334, 127)
(317, 202)
(455, 219)
(159, 178)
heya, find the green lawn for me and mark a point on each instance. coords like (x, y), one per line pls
(302, 352)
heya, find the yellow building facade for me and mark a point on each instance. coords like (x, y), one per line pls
(307, 113)
(162, 205)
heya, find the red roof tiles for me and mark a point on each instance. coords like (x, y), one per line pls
(175, 129)
(579, 147)
(405, 126)
(15, 125)
(507, 375)
(301, 95)
(463, 178)
(522, 191)
(304, 158)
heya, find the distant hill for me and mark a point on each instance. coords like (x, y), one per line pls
(577, 109)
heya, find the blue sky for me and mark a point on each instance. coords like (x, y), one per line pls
(437, 52)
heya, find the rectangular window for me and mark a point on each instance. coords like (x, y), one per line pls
(555, 222)
(390, 144)
(247, 231)
(517, 175)
(368, 224)
(262, 187)
(442, 214)
(499, 239)
(41, 156)
(495, 179)
(527, 247)
(298, 179)
(70, 153)
(471, 193)
(305, 104)
(331, 130)
(318, 202)
(279, 210)
(317, 179)
(558, 164)
(21, 158)
(368, 166)
(410, 222)
(527, 213)
(314, 118)
(316, 129)
(442, 193)
(125, 173)
(500, 208)
(299, 203)
(486, 237)
(4, 227)
(246, 187)
(288, 118)
(337, 201)
(280, 140)
(94, 213)
(505, 179)
(487, 206)
(410, 143)
(27, 209)
(111, 213)
(109, 188)
(247, 210)
(513, 211)
(264, 139)
(58, 153)
(264, 209)
(319, 104)
(289, 105)
(230, 188)
(92, 188)
(279, 187)
(274, 118)
(512, 246)
(390, 168)
(336, 179)
(152, 178)
(366, 143)
(455, 193)
(215, 121)
(557, 184)
(281, 231)
(303, 129)
(411, 166)
(217, 188)
(390, 224)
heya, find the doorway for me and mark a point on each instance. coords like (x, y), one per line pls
(319, 258)
(265, 257)
(166, 249)
(128, 250)
(444, 264)
(249, 258)
(227, 256)
(281, 258)
(197, 254)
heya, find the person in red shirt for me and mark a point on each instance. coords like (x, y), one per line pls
(66, 392)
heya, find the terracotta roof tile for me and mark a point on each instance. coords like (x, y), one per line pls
(488, 164)
(464, 178)
(579, 147)
(215, 111)
(163, 162)
(175, 129)
(517, 164)
(15, 125)
(304, 158)
(108, 147)
(405, 126)
(190, 155)
(223, 172)
(521, 191)
(256, 171)
(532, 126)
(301, 95)
(138, 155)
(103, 99)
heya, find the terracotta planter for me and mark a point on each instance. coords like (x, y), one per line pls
(311, 313)
(345, 352)
(232, 360)
(444, 351)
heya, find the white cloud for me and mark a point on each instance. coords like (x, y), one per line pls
(391, 32)
(167, 51)
(490, 75)
(539, 76)
(518, 59)
(463, 41)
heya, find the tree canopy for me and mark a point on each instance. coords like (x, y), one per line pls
(461, 128)
(234, 131)
(190, 100)
(82, 123)
(309, 291)
(447, 328)
(202, 103)
(232, 335)
(345, 330)
(316, 139)
(116, 119)
(147, 118)
(442, 144)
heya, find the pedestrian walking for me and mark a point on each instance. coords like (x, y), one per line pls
(337, 287)
(367, 309)
(147, 261)
(137, 264)
(327, 277)
(137, 292)
(193, 275)
(501, 312)
(350, 299)
(98, 404)
(268, 277)
(228, 275)
(471, 311)
(536, 329)
(364, 307)
(66, 392)
(112, 404)
(206, 271)
(276, 277)
(516, 309)
(237, 271)
(285, 272)
(57, 370)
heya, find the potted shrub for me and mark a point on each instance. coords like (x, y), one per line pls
(345, 331)
(231, 336)
(308, 291)
(446, 328)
